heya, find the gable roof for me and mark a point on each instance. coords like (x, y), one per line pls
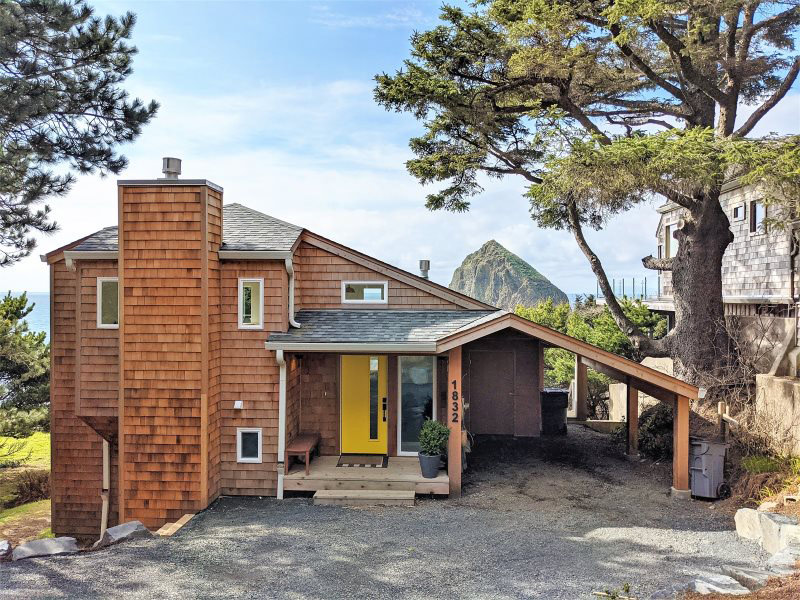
(243, 229)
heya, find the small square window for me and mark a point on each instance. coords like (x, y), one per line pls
(107, 303)
(251, 303)
(739, 213)
(248, 445)
(365, 292)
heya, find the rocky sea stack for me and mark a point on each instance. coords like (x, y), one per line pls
(501, 278)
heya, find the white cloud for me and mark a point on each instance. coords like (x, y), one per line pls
(397, 17)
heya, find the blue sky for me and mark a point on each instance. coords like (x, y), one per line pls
(273, 101)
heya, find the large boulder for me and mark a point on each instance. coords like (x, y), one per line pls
(45, 547)
(5, 550)
(132, 530)
(771, 526)
(748, 523)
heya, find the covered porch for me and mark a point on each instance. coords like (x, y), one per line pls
(486, 377)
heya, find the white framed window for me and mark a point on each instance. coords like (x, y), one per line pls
(757, 214)
(365, 292)
(107, 303)
(248, 444)
(251, 303)
(739, 213)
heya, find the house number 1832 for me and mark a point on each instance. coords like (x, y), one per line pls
(454, 396)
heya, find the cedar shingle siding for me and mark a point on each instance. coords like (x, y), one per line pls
(184, 361)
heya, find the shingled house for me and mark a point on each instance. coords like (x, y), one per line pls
(195, 342)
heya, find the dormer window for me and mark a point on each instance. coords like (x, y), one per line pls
(365, 292)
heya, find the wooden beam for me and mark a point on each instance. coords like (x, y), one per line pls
(540, 378)
(640, 384)
(632, 420)
(680, 448)
(455, 415)
(581, 390)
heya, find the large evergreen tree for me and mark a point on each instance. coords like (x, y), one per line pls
(61, 104)
(599, 105)
(24, 357)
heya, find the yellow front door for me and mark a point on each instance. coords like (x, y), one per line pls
(364, 408)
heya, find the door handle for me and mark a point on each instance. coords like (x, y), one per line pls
(384, 409)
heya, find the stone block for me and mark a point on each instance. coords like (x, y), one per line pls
(713, 583)
(785, 561)
(131, 530)
(748, 524)
(752, 579)
(5, 550)
(771, 525)
(45, 547)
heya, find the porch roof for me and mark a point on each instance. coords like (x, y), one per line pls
(437, 331)
(374, 329)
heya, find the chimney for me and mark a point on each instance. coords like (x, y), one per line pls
(171, 167)
(424, 267)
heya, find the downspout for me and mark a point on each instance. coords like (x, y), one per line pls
(281, 419)
(290, 272)
(105, 493)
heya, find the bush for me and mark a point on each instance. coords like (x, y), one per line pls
(30, 486)
(761, 464)
(18, 423)
(433, 438)
(655, 432)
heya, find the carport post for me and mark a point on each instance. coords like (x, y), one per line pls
(680, 449)
(632, 421)
(581, 390)
(455, 414)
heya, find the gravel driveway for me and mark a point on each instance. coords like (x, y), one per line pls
(554, 518)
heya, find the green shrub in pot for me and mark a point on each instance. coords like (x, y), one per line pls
(433, 438)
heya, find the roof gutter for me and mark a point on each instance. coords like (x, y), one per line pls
(351, 347)
(254, 255)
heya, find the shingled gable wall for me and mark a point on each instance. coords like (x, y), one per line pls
(169, 236)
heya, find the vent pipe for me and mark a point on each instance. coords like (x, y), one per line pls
(171, 167)
(424, 267)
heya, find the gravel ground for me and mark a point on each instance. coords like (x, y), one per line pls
(556, 518)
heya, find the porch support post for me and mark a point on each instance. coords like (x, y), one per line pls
(281, 419)
(632, 421)
(581, 390)
(455, 414)
(680, 449)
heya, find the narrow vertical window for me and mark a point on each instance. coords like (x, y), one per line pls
(107, 303)
(251, 303)
(373, 397)
(667, 241)
(757, 214)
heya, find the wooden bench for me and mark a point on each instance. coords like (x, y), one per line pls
(302, 446)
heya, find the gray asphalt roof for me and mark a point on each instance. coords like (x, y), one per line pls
(242, 229)
(378, 326)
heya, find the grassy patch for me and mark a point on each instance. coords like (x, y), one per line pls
(38, 445)
(27, 522)
(761, 464)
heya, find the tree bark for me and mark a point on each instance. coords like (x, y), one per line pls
(700, 343)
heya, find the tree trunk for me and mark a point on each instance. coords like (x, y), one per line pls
(700, 343)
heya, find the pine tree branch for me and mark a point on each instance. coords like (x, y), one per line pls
(770, 102)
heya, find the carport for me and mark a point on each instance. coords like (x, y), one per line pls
(496, 367)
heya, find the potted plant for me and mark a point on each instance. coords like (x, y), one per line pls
(432, 442)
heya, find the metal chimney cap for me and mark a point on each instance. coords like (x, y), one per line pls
(424, 267)
(171, 167)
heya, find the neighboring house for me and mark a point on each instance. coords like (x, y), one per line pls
(759, 271)
(194, 343)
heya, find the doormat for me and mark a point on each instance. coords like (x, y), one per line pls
(373, 461)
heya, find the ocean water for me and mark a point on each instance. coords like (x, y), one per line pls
(39, 319)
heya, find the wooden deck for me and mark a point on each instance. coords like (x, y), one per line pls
(402, 473)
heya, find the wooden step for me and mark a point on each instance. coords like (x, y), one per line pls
(365, 497)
